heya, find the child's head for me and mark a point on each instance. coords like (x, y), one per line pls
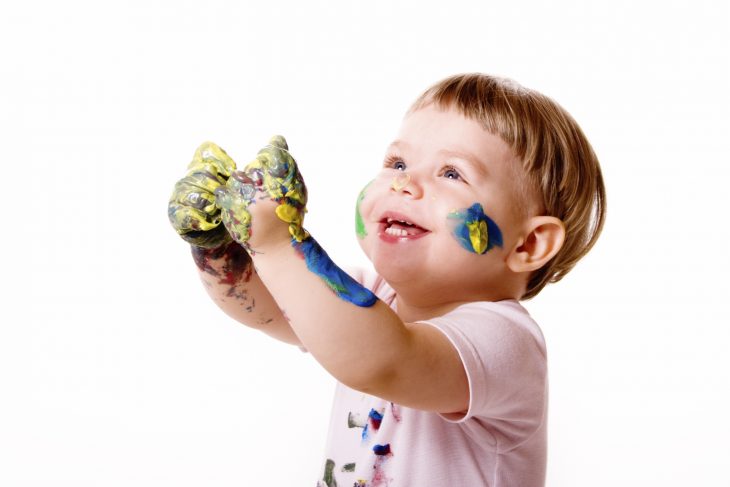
(499, 188)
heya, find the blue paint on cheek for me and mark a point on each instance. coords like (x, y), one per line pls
(474, 230)
(340, 282)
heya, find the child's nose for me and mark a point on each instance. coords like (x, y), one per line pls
(404, 183)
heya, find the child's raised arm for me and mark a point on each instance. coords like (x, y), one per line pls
(236, 288)
(225, 267)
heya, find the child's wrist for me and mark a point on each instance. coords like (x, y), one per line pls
(230, 255)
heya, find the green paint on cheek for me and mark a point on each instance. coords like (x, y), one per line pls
(359, 223)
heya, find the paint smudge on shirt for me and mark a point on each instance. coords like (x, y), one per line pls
(335, 278)
(395, 411)
(383, 453)
(382, 450)
(375, 419)
(474, 230)
(355, 421)
(329, 474)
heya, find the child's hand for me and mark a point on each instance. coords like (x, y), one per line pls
(192, 210)
(266, 202)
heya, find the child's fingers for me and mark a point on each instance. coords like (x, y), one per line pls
(233, 199)
(245, 183)
(279, 141)
(275, 157)
(215, 159)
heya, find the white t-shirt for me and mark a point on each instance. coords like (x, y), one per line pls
(500, 442)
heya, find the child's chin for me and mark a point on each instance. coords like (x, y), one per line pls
(396, 270)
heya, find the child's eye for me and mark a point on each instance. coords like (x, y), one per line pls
(450, 173)
(396, 163)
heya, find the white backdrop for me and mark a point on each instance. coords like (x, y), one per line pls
(117, 370)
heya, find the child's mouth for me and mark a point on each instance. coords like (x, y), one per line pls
(394, 229)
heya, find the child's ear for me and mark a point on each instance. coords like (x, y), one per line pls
(543, 238)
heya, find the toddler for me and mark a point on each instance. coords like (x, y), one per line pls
(489, 192)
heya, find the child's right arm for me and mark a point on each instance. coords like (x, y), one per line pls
(234, 285)
(225, 267)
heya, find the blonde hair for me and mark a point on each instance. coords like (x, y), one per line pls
(558, 161)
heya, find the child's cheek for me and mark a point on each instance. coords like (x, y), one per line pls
(360, 229)
(474, 230)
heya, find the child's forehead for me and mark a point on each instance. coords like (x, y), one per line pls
(448, 132)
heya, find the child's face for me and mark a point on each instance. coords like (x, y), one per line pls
(453, 184)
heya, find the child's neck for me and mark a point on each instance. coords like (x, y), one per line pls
(420, 307)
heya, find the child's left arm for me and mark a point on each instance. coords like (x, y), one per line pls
(359, 339)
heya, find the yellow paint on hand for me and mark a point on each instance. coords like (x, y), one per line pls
(287, 213)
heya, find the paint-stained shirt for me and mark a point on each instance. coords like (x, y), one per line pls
(499, 442)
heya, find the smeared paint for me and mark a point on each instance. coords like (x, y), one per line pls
(348, 467)
(381, 450)
(191, 209)
(233, 266)
(329, 473)
(400, 181)
(375, 419)
(272, 175)
(474, 230)
(395, 411)
(355, 420)
(336, 279)
(383, 453)
(359, 223)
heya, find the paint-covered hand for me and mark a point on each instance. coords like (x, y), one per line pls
(267, 200)
(192, 209)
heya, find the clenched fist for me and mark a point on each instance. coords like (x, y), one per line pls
(267, 200)
(192, 208)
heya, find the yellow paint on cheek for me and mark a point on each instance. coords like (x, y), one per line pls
(478, 235)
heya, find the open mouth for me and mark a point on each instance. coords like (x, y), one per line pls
(399, 227)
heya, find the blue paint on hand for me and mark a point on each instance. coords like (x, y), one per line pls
(340, 282)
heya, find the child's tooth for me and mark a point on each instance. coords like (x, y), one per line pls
(396, 232)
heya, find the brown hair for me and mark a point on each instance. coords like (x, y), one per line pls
(558, 161)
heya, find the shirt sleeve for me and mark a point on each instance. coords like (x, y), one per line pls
(505, 363)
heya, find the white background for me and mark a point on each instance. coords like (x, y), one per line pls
(117, 370)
